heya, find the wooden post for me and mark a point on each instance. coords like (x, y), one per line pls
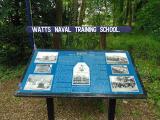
(102, 40)
(57, 41)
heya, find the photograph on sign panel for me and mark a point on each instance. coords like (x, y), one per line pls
(46, 57)
(39, 82)
(81, 74)
(116, 58)
(119, 69)
(43, 68)
(123, 84)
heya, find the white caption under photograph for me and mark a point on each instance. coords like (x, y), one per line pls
(43, 68)
(123, 84)
(116, 58)
(119, 69)
(46, 57)
(39, 82)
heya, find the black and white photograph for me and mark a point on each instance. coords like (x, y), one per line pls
(123, 84)
(46, 57)
(43, 68)
(116, 58)
(39, 82)
(81, 74)
(119, 69)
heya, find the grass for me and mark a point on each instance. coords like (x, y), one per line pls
(86, 116)
(10, 73)
(140, 46)
(119, 110)
(146, 53)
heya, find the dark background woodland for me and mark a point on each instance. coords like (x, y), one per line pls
(142, 15)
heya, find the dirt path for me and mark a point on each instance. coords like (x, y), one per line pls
(13, 108)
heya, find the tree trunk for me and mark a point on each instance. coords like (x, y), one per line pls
(114, 13)
(57, 41)
(102, 40)
(121, 13)
(82, 13)
(73, 21)
(15, 19)
(130, 13)
(126, 12)
(74, 12)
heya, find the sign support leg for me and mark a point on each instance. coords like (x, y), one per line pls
(111, 109)
(50, 108)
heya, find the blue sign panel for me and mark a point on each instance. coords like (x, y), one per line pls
(53, 72)
(79, 29)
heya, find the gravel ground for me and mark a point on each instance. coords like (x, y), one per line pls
(13, 108)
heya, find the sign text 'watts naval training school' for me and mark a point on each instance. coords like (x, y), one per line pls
(61, 29)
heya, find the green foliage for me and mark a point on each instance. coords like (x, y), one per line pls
(136, 113)
(14, 39)
(12, 32)
(98, 12)
(146, 53)
(81, 41)
(149, 17)
(154, 92)
(101, 105)
(10, 73)
(14, 45)
(140, 45)
(13, 42)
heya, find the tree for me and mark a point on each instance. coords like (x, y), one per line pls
(57, 41)
(82, 12)
(74, 13)
(148, 18)
(129, 12)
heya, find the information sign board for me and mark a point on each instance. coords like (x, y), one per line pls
(91, 73)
